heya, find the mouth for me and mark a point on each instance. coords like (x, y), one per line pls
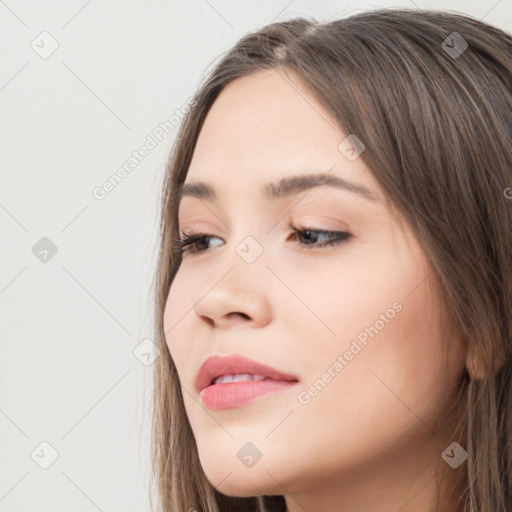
(244, 377)
(231, 381)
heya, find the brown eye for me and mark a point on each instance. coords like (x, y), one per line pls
(193, 240)
(309, 237)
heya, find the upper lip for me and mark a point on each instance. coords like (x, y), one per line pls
(215, 366)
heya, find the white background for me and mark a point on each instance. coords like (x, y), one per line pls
(68, 375)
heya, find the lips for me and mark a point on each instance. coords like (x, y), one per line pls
(216, 366)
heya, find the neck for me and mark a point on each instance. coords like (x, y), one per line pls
(396, 482)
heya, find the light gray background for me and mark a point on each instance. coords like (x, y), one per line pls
(69, 325)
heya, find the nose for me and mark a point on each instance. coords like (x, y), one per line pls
(236, 297)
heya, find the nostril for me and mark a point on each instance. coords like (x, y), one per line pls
(243, 315)
(208, 320)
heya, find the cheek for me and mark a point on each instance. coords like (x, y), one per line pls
(343, 297)
(385, 398)
(177, 317)
(388, 333)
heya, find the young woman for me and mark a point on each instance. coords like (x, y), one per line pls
(333, 299)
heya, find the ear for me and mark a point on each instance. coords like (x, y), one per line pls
(474, 365)
(482, 365)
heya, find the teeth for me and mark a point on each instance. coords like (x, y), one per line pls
(237, 378)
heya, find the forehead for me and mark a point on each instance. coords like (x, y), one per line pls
(263, 127)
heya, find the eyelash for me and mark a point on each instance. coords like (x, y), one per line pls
(190, 238)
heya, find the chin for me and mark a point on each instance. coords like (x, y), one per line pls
(239, 481)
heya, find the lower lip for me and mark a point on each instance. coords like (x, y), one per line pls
(234, 394)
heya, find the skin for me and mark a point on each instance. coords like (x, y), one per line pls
(367, 440)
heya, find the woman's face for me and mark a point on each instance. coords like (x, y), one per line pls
(356, 323)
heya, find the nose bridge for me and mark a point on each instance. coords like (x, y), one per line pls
(245, 257)
(246, 237)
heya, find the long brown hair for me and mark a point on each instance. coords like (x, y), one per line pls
(435, 117)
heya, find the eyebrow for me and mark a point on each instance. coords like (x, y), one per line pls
(285, 187)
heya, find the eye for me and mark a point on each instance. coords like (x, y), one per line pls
(311, 237)
(192, 242)
(192, 239)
